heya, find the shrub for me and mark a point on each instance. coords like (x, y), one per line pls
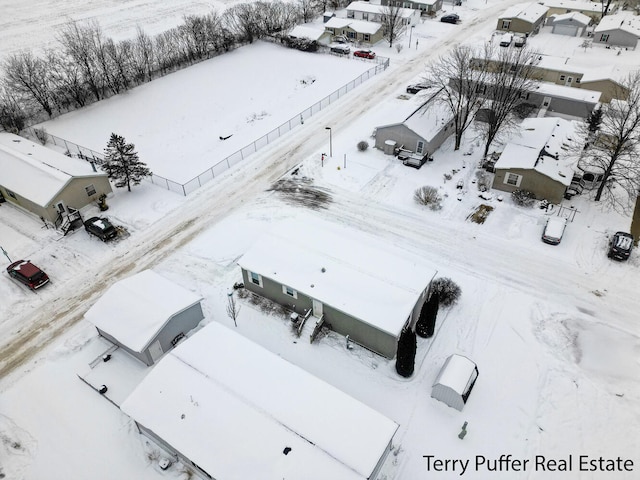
(363, 145)
(447, 290)
(484, 181)
(406, 356)
(41, 135)
(426, 324)
(524, 198)
(399, 47)
(523, 110)
(428, 196)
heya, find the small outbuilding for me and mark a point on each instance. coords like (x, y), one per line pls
(455, 381)
(572, 24)
(146, 315)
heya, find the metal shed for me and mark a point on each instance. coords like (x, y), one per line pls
(455, 381)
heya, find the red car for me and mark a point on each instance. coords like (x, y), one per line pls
(364, 54)
(26, 272)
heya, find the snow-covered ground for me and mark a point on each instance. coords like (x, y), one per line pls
(553, 329)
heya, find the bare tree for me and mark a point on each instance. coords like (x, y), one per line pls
(12, 116)
(605, 6)
(242, 22)
(144, 57)
(459, 86)
(233, 309)
(78, 45)
(511, 75)
(392, 23)
(612, 151)
(69, 88)
(27, 77)
(307, 9)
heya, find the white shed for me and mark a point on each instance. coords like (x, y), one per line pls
(455, 381)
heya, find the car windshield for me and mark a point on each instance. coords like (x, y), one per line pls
(36, 276)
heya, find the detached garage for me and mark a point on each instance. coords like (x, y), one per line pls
(146, 315)
(455, 381)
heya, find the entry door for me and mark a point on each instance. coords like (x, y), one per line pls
(569, 81)
(317, 308)
(60, 207)
(155, 350)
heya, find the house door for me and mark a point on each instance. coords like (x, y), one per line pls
(155, 350)
(546, 102)
(317, 308)
(569, 81)
(60, 207)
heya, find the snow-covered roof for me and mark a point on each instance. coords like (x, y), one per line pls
(565, 91)
(36, 172)
(304, 31)
(624, 21)
(233, 407)
(576, 5)
(363, 277)
(429, 121)
(529, 12)
(360, 26)
(572, 17)
(537, 134)
(135, 309)
(456, 373)
(379, 9)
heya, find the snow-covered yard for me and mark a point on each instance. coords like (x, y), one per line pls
(553, 329)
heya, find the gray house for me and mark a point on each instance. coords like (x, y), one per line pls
(340, 278)
(227, 408)
(537, 159)
(146, 315)
(572, 24)
(455, 381)
(44, 182)
(620, 30)
(422, 132)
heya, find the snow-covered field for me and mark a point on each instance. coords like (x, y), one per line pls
(553, 329)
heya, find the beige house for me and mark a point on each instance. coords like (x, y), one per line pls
(355, 30)
(376, 13)
(591, 9)
(44, 182)
(537, 159)
(524, 18)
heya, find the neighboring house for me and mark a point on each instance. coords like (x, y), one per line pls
(422, 132)
(355, 30)
(572, 24)
(227, 408)
(591, 9)
(619, 30)
(426, 7)
(538, 159)
(455, 381)
(376, 13)
(524, 18)
(562, 101)
(310, 33)
(342, 278)
(46, 183)
(146, 315)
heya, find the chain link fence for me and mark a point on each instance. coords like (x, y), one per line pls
(75, 150)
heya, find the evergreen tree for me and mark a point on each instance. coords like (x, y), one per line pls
(122, 164)
(406, 356)
(426, 324)
(594, 120)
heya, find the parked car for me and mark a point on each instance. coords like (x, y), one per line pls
(341, 49)
(101, 228)
(364, 54)
(553, 230)
(450, 18)
(416, 87)
(519, 40)
(620, 246)
(26, 272)
(506, 39)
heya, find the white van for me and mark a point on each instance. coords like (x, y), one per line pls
(553, 230)
(506, 40)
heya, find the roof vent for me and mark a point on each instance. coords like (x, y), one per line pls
(323, 269)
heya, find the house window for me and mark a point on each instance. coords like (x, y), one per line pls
(366, 37)
(289, 291)
(420, 147)
(562, 77)
(351, 34)
(91, 190)
(524, 95)
(365, 15)
(11, 194)
(604, 37)
(512, 179)
(350, 14)
(506, 24)
(255, 278)
(577, 79)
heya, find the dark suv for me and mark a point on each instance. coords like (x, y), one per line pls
(26, 272)
(620, 246)
(101, 228)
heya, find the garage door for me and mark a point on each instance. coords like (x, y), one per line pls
(570, 30)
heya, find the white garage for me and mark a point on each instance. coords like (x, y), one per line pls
(455, 381)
